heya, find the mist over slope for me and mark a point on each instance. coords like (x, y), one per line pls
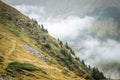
(91, 27)
(29, 52)
(66, 7)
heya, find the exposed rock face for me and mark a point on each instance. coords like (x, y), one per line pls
(32, 51)
(13, 71)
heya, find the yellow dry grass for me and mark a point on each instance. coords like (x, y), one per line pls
(12, 49)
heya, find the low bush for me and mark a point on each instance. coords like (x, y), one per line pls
(65, 72)
(1, 59)
(22, 66)
(47, 46)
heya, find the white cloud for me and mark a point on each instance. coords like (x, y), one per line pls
(94, 51)
(58, 26)
(35, 12)
(102, 54)
(69, 26)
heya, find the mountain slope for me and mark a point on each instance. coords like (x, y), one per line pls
(28, 52)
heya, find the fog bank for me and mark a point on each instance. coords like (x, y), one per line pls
(95, 41)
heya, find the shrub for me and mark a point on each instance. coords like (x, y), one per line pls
(47, 46)
(72, 51)
(88, 77)
(65, 72)
(1, 59)
(42, 28)
(28, 24)
(22, 66)
(9, 18)
(64, 52)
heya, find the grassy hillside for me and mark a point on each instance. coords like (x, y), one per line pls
(28, 52)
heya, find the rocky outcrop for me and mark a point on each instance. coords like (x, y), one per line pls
(32, 51)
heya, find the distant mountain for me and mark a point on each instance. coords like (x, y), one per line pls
(110, 12)
(107, 22)
(68, 7)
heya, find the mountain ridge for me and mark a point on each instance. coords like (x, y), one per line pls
(29, 52)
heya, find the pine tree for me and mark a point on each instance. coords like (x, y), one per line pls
(83, 62)
(67, 46)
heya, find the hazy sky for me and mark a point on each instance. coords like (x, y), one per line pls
(67, 20)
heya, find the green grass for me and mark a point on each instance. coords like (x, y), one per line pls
(15, 32)
(22, 66)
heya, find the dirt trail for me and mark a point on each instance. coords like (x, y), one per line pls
(13, 47)
(51, 67)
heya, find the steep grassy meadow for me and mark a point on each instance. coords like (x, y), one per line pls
(28, 52)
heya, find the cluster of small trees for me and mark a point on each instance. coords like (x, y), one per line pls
(70, 62)
(74, 64)
(96, 74)
(66, 46)
(43, 29)
(69, 48)
(41, 26)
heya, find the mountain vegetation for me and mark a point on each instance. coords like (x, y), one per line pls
(28, 52)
